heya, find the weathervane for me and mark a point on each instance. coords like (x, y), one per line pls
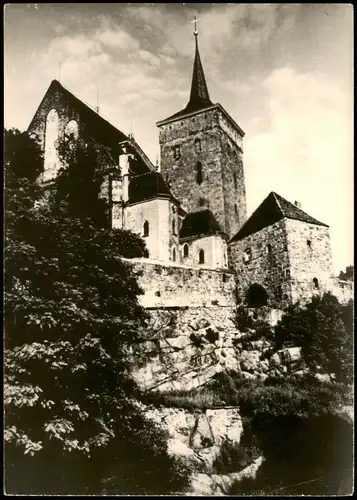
(195, 23)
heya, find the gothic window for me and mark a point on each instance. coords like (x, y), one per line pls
(177, 152)
(235, 180)
(199, 176)
(174, 228)
(247, 256)
(52, 130)
(71, 130)
(174, 254)
(316, 283)
(197, 146)
(201, 257)
(268, 249)
(146, 228)
(236, 208)
(185, 250)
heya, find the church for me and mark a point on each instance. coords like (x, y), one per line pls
(191, 210)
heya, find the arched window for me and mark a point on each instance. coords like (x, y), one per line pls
(316, 283)
(268, 249)
(146, 228)
(174, 228)
(197, 145)
(236, 208)
(185, 250)
(71, 130)
(199, 176)
(235, 180)
(52, 131)
(174, 254)
(308, 243)
(201, 257)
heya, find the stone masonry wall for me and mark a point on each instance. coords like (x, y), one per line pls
(182, 171)
(309, 261)
(268, 269)
(220, 157)
(175, 285)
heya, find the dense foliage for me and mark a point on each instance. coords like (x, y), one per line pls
(324, 331)
(347, 275)
(71, 315)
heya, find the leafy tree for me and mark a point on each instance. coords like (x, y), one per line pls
(323, 329)
(347, 275)
(71, 315)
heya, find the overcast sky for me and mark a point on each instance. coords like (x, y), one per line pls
(284, 72)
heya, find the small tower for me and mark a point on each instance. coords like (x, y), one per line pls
(202, 155)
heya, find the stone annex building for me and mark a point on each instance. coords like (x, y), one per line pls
(191, 211)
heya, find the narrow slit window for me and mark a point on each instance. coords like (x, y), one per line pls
(199, 176)
(185, 250)
(268, 249)
(308, 242)
(201, 257)
(316, 283)
(174, 228)
(146, 229)
(236, 208)
(235, 180)
(174, 254)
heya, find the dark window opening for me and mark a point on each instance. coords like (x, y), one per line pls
(146, 228)
(268, 249)
(308, 242)
(257, 296)
(236, 208)
(278, 293)
(316, 283)
(201, 202)
(185, 250)
(174, 228)
(247, 255)
(201, 257)
(146, 253)
(235, 180)
(224, 278)
(174, 254)
(199, 176)
(287, 273)
(177, 152)
(285, 247)
(197, 146)
(158, 294)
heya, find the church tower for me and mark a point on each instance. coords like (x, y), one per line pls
(202, 155)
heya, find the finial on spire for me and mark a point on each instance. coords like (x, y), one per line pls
(195, 23)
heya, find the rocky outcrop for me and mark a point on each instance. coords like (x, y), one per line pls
(197, 436)
(184, 348)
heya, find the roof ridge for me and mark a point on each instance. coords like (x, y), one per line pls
(88, 105)
(275, 195)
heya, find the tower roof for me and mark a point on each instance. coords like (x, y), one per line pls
(202, 223)
(199, 96)
(271, 210)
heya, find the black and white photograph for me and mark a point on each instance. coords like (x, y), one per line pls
(178, 249)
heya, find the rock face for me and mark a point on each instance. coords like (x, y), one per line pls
(197, 437)
(185, 348)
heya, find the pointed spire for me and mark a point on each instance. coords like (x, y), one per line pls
(199, 96)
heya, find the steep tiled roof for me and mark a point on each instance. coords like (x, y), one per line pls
(271, 210)
(202, 223)
(147, 186)
(199, 96)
